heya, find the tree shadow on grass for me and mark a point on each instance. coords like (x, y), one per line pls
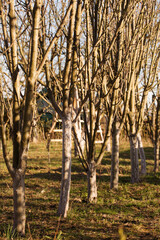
(74, 230)
(77, 168)
(106, 179)
(48, 176)
(103, 178)
(40, 206)
(105, 161)
(124, 179)
(55, 174)
(124, 154)
(153, 179)
(149, 153)
(6, 197)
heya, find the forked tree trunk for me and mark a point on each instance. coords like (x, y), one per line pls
(142, 155)
(134, 159)
(19, 203)
(92, 185)
(66, 165)
(115, 159)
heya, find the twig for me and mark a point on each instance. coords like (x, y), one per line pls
(59, 220)
(30, 238)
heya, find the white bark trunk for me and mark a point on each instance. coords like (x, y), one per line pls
(80, 136)
(115, 160)
(156, 156)
(66, 165)
(19, 204)
(108, 147)
(134, 159)
(34, 132)
(92, 186)
(78, 131)
(142, 155)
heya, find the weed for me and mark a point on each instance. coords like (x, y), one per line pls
(59, 235)
(121, 233)
(9, 233)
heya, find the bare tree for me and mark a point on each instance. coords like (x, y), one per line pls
(145, 69)
(103, 89)
(20, 137)
(64, 83)
(153, 125)
(21, 51)
(157, 132)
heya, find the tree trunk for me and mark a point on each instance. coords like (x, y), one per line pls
(34, 135)
(66, 165)
(19, 203)
(78, 131)
(157, 135)
(115, 159)
(92, 186)
(134, 159)
(108, 147)
(142, 155)
(80, 137)
(156, 156)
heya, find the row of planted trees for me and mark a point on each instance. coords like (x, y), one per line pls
(95, 58)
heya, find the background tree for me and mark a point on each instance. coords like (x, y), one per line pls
(157, 130)
(100, 44)
(145, 69)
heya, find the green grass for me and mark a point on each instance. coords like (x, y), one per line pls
(133, 209)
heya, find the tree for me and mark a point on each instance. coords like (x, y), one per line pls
(103, 90)
(157, 134)
(145, 69)
(64, 82)
(20, 137)
(22, 52)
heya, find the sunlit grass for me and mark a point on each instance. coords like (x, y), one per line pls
(133, 208)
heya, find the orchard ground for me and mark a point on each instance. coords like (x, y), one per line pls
(132, 209)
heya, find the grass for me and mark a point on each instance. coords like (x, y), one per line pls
(131, 212)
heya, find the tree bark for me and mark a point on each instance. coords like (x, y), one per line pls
(134, 159)
(80, 137)
(142, 154)
(108, 147)
(34, 129)
(92, 186)
(157, 135)
(19, 203)
(115, 159)
(156, 156)
(66, 165)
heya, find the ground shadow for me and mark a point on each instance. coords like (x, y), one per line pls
(149, 153)
(49, 176)
(153, 179)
